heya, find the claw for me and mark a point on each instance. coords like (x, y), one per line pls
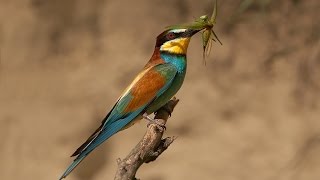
(154, 121)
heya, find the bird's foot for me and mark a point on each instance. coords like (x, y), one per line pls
(154, 121)
(146, 117)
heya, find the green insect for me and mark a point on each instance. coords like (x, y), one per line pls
(208, 34)
(206, 25)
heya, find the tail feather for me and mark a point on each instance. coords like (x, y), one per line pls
(71, 167)
(88, 141)
(94, 135)
(98, 139)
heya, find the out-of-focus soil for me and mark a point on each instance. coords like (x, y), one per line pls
(252, 113)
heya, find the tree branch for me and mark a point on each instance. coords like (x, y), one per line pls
(150, 146)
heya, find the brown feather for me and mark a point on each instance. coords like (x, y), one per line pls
(155, 59)
(145, 90)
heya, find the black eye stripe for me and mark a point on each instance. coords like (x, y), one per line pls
(173, 35)
(163, 37)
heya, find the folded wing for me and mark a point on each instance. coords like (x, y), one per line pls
(147, 86)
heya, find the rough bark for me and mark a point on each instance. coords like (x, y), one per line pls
(150, 146)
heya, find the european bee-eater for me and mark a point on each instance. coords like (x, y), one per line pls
(152, 88)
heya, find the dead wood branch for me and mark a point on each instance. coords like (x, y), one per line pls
(150, 146)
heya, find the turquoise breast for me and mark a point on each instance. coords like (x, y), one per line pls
(180, 62)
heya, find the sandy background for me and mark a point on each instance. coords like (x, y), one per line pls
(251, 114)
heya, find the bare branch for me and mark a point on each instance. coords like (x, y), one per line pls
(150, 146)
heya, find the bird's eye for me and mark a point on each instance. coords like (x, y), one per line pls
(171, 35)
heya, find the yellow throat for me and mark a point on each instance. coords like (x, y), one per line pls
(176, 46)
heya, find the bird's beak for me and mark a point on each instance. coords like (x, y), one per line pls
(190, 32)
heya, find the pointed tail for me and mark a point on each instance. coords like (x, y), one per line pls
(103, 135)
(73, 165)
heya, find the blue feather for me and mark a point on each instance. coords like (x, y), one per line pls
(106, 133)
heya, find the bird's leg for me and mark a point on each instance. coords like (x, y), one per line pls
(145, 116)
(153, 121)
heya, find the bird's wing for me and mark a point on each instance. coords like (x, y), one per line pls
(147, 86)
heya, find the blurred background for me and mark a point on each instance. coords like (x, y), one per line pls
(252, 113)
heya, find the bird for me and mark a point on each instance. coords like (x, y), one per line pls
(152, 88)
